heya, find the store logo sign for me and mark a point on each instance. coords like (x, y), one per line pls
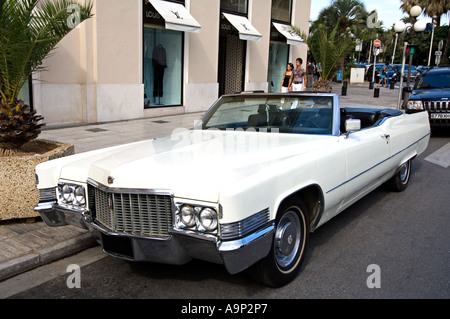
(177, 15)
(245, 26)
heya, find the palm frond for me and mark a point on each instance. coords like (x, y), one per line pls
(29, 32)
(327, 47)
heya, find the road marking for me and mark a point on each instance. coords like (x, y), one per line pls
(45, 273)
(441, 157)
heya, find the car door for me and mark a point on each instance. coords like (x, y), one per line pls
(368, 155)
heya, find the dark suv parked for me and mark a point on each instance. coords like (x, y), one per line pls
(432, 93)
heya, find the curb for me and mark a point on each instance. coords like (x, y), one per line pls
(46, 255)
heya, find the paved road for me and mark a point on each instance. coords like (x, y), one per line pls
(405, 236)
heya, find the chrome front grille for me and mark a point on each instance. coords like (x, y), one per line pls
(137, 213)
(245, 227)
(437, 106)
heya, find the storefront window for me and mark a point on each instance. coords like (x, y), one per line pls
(278, 59)
(239, 6)
(281, 10)
(163, 67)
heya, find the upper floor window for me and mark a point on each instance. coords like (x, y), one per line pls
(281, 10)
(239, 6)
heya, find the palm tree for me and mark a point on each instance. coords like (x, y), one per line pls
(346, 13)
(430, 7)
(351, 16)
(29, 31)
(328, 48)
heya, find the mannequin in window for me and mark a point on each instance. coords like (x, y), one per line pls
(159, 64)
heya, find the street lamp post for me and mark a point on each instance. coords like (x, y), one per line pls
(411, 29)
(434, 21)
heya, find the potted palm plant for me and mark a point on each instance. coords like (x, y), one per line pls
(29, 31)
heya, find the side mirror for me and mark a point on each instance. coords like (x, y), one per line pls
(352, 125)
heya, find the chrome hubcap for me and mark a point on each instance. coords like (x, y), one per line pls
(287, 239)
(404, 171)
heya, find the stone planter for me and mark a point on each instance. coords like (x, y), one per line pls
(18, 191)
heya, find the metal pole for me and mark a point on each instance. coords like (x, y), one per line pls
(395, 48)
(431, 46)
(432, 39)
(374, 63)
(400, 92)
(408, 80)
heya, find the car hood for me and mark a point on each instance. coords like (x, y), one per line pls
(190, 163)
(431, 94)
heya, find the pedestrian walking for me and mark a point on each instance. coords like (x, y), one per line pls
(383, 76)
(299, 76)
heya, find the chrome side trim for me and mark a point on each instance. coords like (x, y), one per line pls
(228, 246)
(244, 227)
(47, 195)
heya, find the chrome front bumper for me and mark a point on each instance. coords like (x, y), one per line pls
(236, 255)
(55, 216)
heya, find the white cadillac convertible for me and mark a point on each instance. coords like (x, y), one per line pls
(243, 188)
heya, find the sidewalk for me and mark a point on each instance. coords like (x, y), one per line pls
(27, 245)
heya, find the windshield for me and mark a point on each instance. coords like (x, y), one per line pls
(297, 114)
(434, 81)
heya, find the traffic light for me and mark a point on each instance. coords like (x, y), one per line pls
(411, 49)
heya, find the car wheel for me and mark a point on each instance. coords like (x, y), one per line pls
(289, 245)
(399, 182)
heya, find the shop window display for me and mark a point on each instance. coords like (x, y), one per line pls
(278, 58)
(163, 67)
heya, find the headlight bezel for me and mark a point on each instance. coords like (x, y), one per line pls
(200, 213)
(415, 105)
(72, 195)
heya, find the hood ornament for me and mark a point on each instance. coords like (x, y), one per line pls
(110, 180)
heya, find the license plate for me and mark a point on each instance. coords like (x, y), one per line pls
(437, 116)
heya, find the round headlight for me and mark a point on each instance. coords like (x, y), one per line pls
(187, 215)
(67, 193)
(208, 219)
(80, 195)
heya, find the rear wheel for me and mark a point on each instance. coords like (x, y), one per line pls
(285, 259)
(399, 182)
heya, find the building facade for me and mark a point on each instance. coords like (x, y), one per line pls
(148, 58)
